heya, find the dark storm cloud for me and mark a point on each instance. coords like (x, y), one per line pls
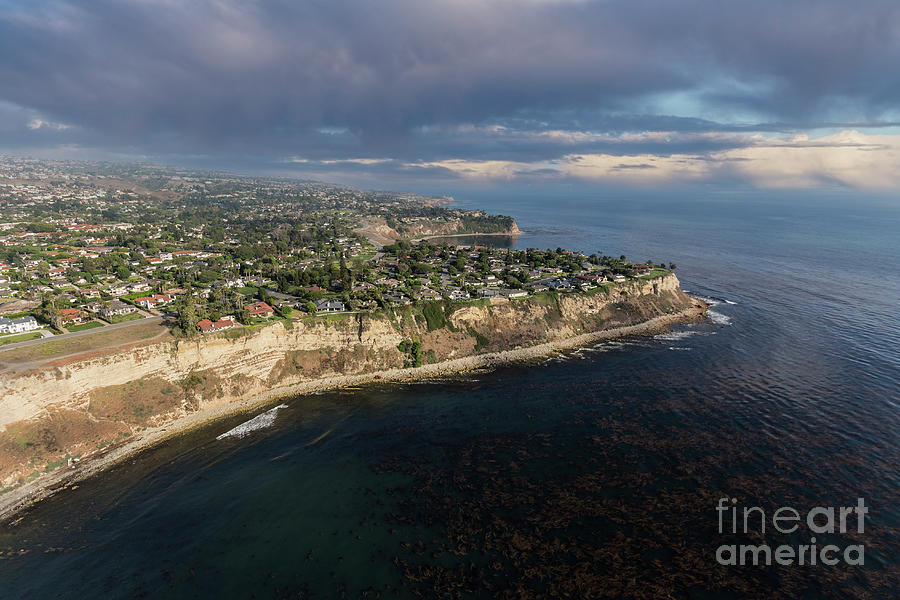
(355, 78)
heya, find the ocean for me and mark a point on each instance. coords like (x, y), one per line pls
(593, 474)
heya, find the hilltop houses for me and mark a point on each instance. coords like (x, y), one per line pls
(116, 308)
(154, 301)
(330, 306)
(207, 326)
(260, 309)
(71, 316)
(21, 325)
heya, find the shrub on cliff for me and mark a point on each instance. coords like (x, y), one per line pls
(434, 315)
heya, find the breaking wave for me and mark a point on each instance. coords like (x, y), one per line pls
(718, 318)
(260, 421)
(675, 335)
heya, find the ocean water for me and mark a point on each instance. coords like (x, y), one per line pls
(592, 474)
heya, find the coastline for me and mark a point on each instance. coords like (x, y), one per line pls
(30, 494)
(516, 233)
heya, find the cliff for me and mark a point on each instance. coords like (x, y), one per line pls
(50, 416)
(377, 230)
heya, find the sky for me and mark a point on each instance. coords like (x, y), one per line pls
(661, 94)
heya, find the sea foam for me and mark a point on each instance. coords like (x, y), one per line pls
(675, 335)
(260, 421)
(718, 318)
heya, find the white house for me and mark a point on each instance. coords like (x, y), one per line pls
(18, 325)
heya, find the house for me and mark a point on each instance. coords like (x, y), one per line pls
(260, 309)
(140, 286)
(397, 298)
(330, 306)
(18, 325)
(71, 316)
(514, 293)
(641, 268)
(428, 294)
(154, 301)
(93, 307)
(90, 293)
(116, 308)
(559, 284)
(207, 326)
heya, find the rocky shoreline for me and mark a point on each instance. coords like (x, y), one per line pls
(31, 493)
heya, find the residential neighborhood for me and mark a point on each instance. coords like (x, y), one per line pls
(80, 251)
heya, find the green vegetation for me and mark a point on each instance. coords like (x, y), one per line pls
(219, 244)
(24, 337)
(546, 297)
(413, 350)
(85, 326)
(125, 318)
(434, 315)
(656, 272)
(481, 341)
(603, 288)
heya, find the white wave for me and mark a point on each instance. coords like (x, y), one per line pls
(709, 300)
(675, 335)
(679, 348)
(718, 318)
(712, 301)
(260, 421)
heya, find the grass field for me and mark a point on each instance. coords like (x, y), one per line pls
(124, 318)
(657, 272)
(23, 337)
(84, 326)
(86, 343)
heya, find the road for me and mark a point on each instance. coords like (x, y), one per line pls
(73, 334)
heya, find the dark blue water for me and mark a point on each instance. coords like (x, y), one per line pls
(593, 475)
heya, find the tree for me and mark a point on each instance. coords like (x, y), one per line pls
(185, 317)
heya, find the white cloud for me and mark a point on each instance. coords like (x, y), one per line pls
(848, 158)
(36, 124)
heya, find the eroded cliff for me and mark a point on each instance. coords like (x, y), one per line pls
(51, 416)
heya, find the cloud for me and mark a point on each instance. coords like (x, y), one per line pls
(39, 123)
(438, 87)
(848, 159)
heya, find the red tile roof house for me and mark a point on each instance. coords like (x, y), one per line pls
(71, 316)
(260, 309)
(206, 326)
(154, 300)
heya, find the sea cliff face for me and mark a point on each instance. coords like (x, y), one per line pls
(53, 415)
